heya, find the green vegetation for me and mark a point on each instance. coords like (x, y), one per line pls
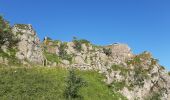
(40, 83)
(52, 57)
(169, 73)
(22, 26)
(154, 61)
(6, 34)
(48, 38)
(73, 85)
(123, 71)
(162, 67)
(62, 46)
(10, 56)
(141, 73)
(19, 33)
(139, 76)
(138, 59)
(118, 85)
(62, 52)
(154, 96)
(56, 41)
(7, 39)
(108, 51)
(78, 43)
(96, 46)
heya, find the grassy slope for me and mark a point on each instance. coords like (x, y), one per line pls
(48, 84)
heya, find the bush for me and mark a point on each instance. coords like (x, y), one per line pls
(108, 51)
(6, 34)
(154, 96)
(62, 52)
(118, 85)
(22, 26)
(52, 57)
(139, 76)
(74, 83)
(141, 58)
(123, 70)
(78, 43)
(169, 73)
(10, 55)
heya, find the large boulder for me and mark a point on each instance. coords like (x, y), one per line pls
(29, 45)
(120, 52)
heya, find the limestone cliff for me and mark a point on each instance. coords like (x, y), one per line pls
(29, 45)
(137, 77)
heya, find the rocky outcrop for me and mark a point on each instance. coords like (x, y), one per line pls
(140, 76)
(29, 45)
(137, 77)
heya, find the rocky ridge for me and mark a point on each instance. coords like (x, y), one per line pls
(29, 45)
(137, 77)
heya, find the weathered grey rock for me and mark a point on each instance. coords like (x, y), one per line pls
(94, 58)
(29, 45)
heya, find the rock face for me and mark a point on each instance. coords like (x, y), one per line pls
(121, 52)
(29, 45)
(140, 76)
(137, 77)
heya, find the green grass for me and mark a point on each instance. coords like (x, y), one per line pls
(10, 55)
(40, 83)
(123, 71)
(52, 57)
(169, 73)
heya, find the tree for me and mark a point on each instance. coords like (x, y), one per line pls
(6, 34)
(73, 84)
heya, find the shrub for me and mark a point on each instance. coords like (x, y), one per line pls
(118, 85)
(169, 73)
(10, 55)
(73, 84)
(139, 76)
(139, 59)
(6, 34)
(78, 43)
(162, 67)
(155, 96)
(154, 61)
(47, 40)
(22, 26)
(52, 57)
(135, 61)
(123, 71)
(108, 51)
(62, 52)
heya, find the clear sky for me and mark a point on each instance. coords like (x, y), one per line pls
(142, 24)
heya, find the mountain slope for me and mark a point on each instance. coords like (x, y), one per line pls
(135, 76)
(38, 83)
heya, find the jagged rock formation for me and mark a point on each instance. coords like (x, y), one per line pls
(137, 77)
(29, 45)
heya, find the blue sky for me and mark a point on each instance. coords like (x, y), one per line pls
(142, 24)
